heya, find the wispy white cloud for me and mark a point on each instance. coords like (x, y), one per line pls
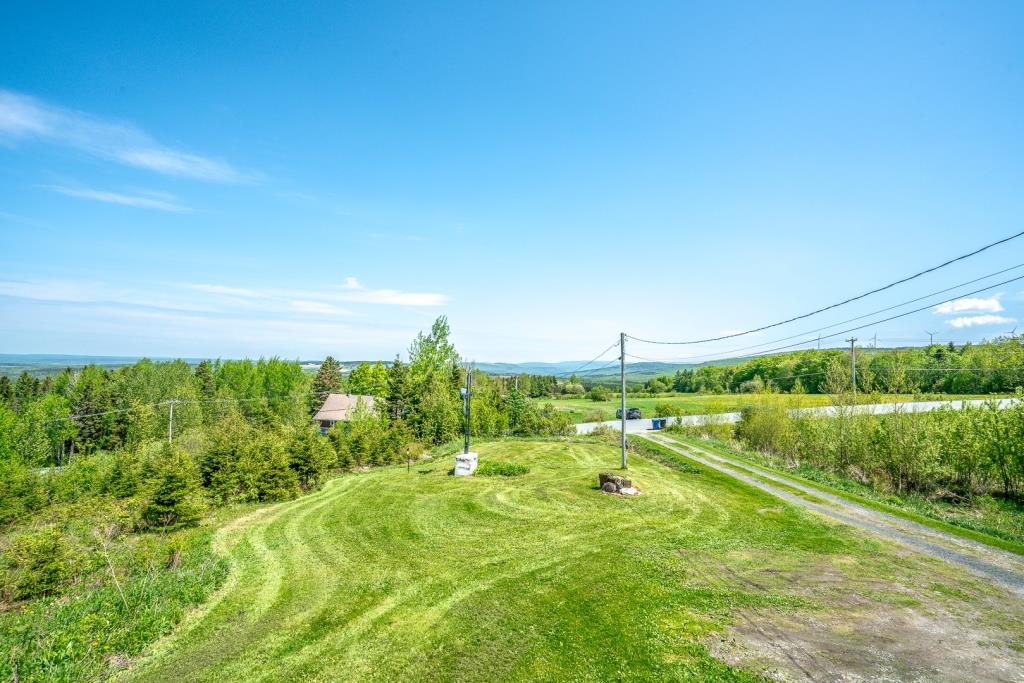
(979, 320)
(216, 298)
(24, 117)
(351, 290)
(318, 307)
(226, 291)
(355, 292)
(84, 292)
(160, 201)
(970, 305)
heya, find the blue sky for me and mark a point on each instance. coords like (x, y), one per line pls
(237, 179)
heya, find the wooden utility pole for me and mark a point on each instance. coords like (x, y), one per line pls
(853, 365)
(170, 422)
(622, 397)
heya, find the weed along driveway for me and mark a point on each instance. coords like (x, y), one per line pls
(538, 575)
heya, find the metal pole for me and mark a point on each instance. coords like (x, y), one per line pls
(170, 422)
(622, 397)
(465, 404)
(853, 364)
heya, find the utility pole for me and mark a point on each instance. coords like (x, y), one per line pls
(931, 338)
(170, 422)
(874, 341)
(819, 342)
(853, 364)
(622, 397)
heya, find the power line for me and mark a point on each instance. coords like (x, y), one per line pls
(573, 372)
(728, 353)
(593, 370)
(840, 303)
(894, 317)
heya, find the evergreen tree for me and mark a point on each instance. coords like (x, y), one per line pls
(338, 438)
(309, 456)
(398, 402)
(219, 464)
(327, 380)
(91, 396)
(275, 480)
(177, 501)
(6, 390)
(205, 379)
(26, 389)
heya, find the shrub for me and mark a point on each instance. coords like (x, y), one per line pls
(40, 563)
(275, 479)
(599, 393)
(766, 428)
(491, 468)
(310, 455)
(177, 500)
(125, 475)
(666, 409)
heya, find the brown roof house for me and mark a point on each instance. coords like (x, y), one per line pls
(339, 408)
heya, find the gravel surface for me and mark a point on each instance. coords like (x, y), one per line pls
(1002, 567)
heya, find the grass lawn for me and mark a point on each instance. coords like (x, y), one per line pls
(585, 410)
(394, 575)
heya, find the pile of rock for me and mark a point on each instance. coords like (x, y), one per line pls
(613, 483)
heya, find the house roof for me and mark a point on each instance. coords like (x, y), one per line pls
(339, 407)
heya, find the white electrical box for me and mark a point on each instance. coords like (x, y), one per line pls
(465, 464)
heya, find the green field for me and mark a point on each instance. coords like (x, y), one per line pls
(586, 410)
(396, 575)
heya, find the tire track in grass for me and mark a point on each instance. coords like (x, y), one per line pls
(369, 620)
(247, 591)
(365, 573)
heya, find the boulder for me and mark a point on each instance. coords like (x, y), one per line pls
(609, 487)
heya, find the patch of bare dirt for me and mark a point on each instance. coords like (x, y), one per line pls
(906, 635)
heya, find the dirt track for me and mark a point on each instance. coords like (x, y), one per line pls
(1004, 568)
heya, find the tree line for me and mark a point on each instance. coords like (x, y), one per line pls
(990, 367)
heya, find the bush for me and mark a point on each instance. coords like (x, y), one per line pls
(491, 468)
(310, 456)
(766, 428)
(40, 563)
(276, 480)
(599, 393)
(666, 409)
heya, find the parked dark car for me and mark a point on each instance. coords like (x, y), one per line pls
(631, 414)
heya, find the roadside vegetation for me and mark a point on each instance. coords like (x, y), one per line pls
(961, 466)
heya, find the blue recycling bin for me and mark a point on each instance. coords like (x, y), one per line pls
(657, 423)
